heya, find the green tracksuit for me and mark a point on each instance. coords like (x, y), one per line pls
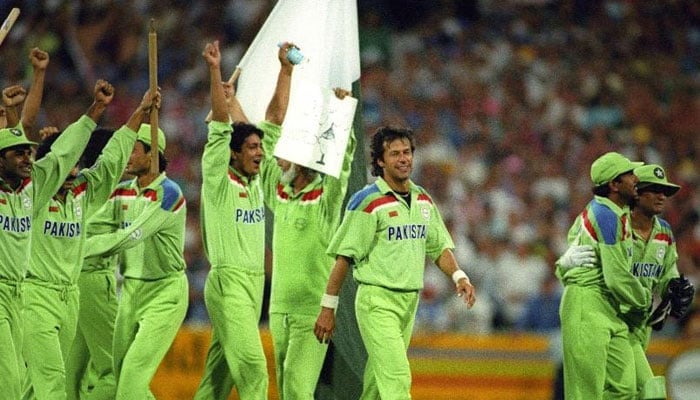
(16, 214)
(233, 232)
(150, 234)
(89, 371)
(654, 265)
(51, 291)
(388, 242)
(598, 303)
(303, 226)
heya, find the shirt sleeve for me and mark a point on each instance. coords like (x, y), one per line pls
(615, 259)
(104, 176)
(269, 171)
(49, 173)
(217, 154)
(355, 236)
(146, 225)
(438, 238)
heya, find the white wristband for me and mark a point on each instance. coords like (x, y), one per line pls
(329, 301)
(459, 274)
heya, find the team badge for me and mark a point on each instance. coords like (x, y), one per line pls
(426, 213)
(27, 203)
(659, 173)
(78, 210)
(136, 235)
(300, 223)
(660, 253)
(15, 132)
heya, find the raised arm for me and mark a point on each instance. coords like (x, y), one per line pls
(277, 108)
(30, 112)
(212, 55)
(103, 94)
(140, 115)
(12, 97)
(234, 107)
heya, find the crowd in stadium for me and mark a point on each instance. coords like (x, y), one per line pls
(510, 101)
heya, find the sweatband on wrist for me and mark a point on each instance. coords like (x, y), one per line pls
(459, 274)
(329, 301)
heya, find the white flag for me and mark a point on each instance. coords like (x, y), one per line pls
(325, 32)
(316, 130)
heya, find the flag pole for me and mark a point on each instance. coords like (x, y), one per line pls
(153, 81)
(7, 25)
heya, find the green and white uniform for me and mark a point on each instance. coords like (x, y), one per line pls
(233, 231)
(598, 303)
(149, 234)
(388, 242)
(303, 225)
(16, 214)
(50, 290)
(89, 370)
(654, 265)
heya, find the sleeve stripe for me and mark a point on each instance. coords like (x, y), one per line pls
(588, 225)
(384, 200)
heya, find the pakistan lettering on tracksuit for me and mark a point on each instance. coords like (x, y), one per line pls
(610, 234)
(58, 242)
(598, 304)
(233, 232)
(230, 200)
(375, 231)
(655, 261)
(17, 206)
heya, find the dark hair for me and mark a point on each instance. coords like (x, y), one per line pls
(241, 131)
(385, 135)
(45, 146)
(604, 189)
(162, 161)
(98, 141)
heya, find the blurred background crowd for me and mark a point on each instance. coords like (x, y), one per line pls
(511, 101)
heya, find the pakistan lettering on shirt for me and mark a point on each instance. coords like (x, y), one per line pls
(389, 240)
(246, 215)
(19, 206)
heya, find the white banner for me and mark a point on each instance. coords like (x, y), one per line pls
(326, 33)
(316, 130)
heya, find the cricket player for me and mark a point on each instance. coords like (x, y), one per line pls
(599, 303)
(654, 264)
(233, 231)
(306, 207)
(58, 236)
(388, 229)
(89, 365)
(89, 372)
(148, 215)
(28, 186)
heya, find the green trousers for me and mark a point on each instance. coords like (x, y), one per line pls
(649, 387)
(50, 320)
(598, 356)
(149, 316)
(235, 358)
(385, 319)
(11, 326)
(89, 371)
(298, 355)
